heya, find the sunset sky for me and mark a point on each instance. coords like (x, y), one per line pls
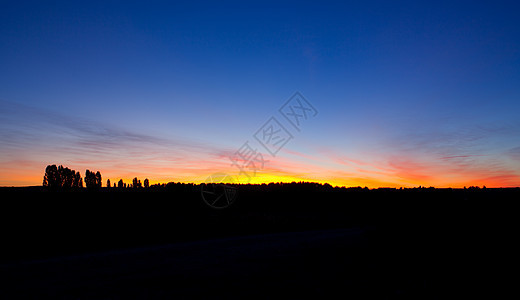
(403, 93)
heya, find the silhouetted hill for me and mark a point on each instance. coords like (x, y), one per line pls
(409, 235)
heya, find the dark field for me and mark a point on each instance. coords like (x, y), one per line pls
(272, 243)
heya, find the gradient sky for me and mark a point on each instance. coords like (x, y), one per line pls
(408, 93)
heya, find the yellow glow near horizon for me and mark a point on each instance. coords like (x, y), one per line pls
(405, 176)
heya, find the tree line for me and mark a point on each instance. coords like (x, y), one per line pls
(60, 177)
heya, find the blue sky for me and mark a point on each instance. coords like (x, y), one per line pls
(408, 92)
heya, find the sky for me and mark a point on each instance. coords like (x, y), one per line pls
(354, 93)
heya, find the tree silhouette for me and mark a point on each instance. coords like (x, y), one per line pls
(98, 179)
(120, 184)
(108, 183)
(89, 179)
(136, 183)
(92, 180)
(146, 183)
(61, 178)
(78, 181)
(66, 176)
(51, 178)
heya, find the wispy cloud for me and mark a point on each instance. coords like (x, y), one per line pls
(31, 138)
(39, 137)
(441, 156)
(514, 153)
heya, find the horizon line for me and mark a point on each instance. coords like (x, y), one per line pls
(293, 182)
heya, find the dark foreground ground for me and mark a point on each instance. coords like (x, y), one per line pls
(284, 243)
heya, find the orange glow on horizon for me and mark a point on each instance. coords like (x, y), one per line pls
(403, 173)
(335, 182)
